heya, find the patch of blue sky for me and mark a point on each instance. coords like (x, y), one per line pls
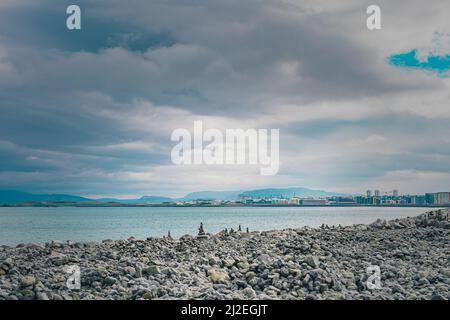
(439, 64)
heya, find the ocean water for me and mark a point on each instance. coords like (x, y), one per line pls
(35, 224)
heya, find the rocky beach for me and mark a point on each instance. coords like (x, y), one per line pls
(331, 262)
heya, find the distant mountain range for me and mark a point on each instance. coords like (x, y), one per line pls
(16, 197)
(289, 193)
(141, 200)
(211, 195)
(13, 197)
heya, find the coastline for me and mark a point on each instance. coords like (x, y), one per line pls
(306, 263)
(113, 205)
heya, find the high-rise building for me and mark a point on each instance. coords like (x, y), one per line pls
(377, 193)
(430, 198)
(439, 198)
(395, 193)
(369, 193)
(443, 198)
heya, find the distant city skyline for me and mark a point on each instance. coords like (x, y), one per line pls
(259, 197)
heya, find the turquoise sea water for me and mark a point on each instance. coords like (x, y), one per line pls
(28, 224)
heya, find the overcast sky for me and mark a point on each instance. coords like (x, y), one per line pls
(90, 112)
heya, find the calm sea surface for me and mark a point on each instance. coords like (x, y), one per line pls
(27, 224)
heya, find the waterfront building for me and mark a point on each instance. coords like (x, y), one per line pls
(442, 198)
(430, 198)
(280, 201)
(314, 202)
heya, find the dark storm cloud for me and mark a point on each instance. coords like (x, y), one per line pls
(42, 25)
(212, 49)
